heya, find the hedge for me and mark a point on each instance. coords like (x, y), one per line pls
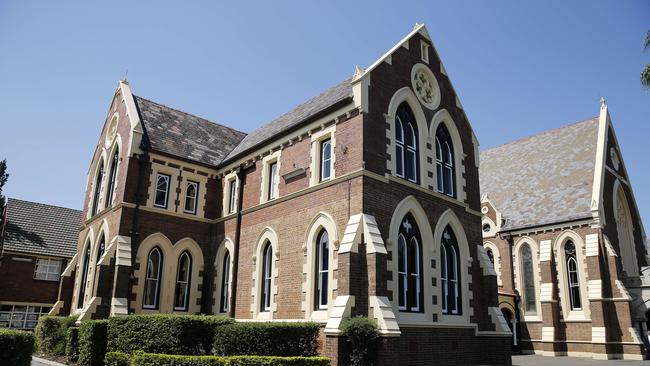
(116, 359)
(16, 347)
(149, 359)
(266, 339)
(92, 342)
(51, 333)
(361, 335)
(72, 344)
(173, 334)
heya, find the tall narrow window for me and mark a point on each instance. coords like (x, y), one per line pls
(84, 275)
(111, 178)
(191, 197)
(322, 270)
(152, 279)
(225, 282)
(528, 280)
(450, 273)
(445, 162)
(162, 190)
(325, 159)
(267, 273)
(409, 263)
(183, 275)
(101, 248)
(232, 194)
(490, 255)
(273, 170)
(98, 186)
(572, 275)
(406, 146)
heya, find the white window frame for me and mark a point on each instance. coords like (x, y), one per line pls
(270, 188)
(322, 274)
(22, 315)
(184, 282)
(325, 161)
(157, 280)
(316, 158)
(224, 291)
(52, 269)
(189, 183)
(266, 279)
(156, 190)
(232, 196)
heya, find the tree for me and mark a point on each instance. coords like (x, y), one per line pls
(645, 73)
(3, 179)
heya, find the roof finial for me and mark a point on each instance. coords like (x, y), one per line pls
(603, 103)
(126, 74)
(418, 25)
(358, 71)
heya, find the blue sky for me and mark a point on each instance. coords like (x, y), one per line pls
(519, 67)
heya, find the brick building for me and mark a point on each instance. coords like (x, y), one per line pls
(363, 200)
(563, 230)
(36, 244)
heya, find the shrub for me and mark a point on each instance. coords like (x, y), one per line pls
(116, 359)
(266, 339)
(148, 359)
(72, 344)
(16, 347)
(174, 334)
(361, 336)
(51, 333)
(92, 342)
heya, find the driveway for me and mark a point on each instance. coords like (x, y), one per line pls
(532, 360)
(36, 361)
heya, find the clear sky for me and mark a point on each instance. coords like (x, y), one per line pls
(519, 67)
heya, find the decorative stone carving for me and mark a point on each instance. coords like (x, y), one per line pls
(425, 86)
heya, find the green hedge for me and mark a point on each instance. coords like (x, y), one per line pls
(92, 342)
(173, 334)
(361, 335)
(16, 347)
(72, 344)
(116, 359)
(51, 332)
(266, 339)
(148, 359)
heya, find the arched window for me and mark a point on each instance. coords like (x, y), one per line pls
(267, 273)
(572, 275)
(111, 177)
(406, 144)
(98, 184)
(85, 262)
(490, 255)
(409, 263)
(445, 162)
(101, 249)
(152, 279)
(322, 270)
(183, 275)
(450, 273)
(225, 282)
(528, 280)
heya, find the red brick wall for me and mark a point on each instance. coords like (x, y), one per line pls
(17, 283)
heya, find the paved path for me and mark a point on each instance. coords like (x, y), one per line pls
(36, 361)
(530, 360)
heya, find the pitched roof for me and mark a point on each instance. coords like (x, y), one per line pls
(542, 179)
(37, 228)
(185, 135)
(295, 117)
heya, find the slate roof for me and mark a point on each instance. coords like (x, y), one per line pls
(37, 228)
(185, 135)
(542, 179)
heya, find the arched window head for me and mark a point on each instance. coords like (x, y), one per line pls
(409, 264)
(450, 273)
(267, 273)
(528, 280)
(152, 279)
(183, 276)
(85, 262)
(573, 278)
(97, 187)
(225, 283)
(406, 144)
(111, 177)
(445, 170)
(322, 270)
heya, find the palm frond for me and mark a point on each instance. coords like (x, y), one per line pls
(647, 40)
(645, 76)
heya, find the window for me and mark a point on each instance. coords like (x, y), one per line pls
(182, 293)
(162, 190)
(267, 273)
(487, 228)
(47, 269)
(406, 152)
(325, 159)
(572, 275)
(191, 195)
(225, 282)
(490, 255)
(21, 316)
(101, 249)
(111, 178)
(232, 195)
(322, 270)
(409, 262)
(98, 184)
(450, 273)
(445, 162)
(84, 275)
(424, 51)
(528, 280)
(152, 279)
(272, 186)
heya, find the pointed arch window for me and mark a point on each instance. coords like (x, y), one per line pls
(111, 177)
(572, 275)
(183, 276)
(152, 279)
(490, 255)
(225, 282)
(528, 280)
(445, 162)
(267, 273)
(322, 270)
(406, 144)
(450, 273)
(98, 183)
(409, 264)
(84, 275)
